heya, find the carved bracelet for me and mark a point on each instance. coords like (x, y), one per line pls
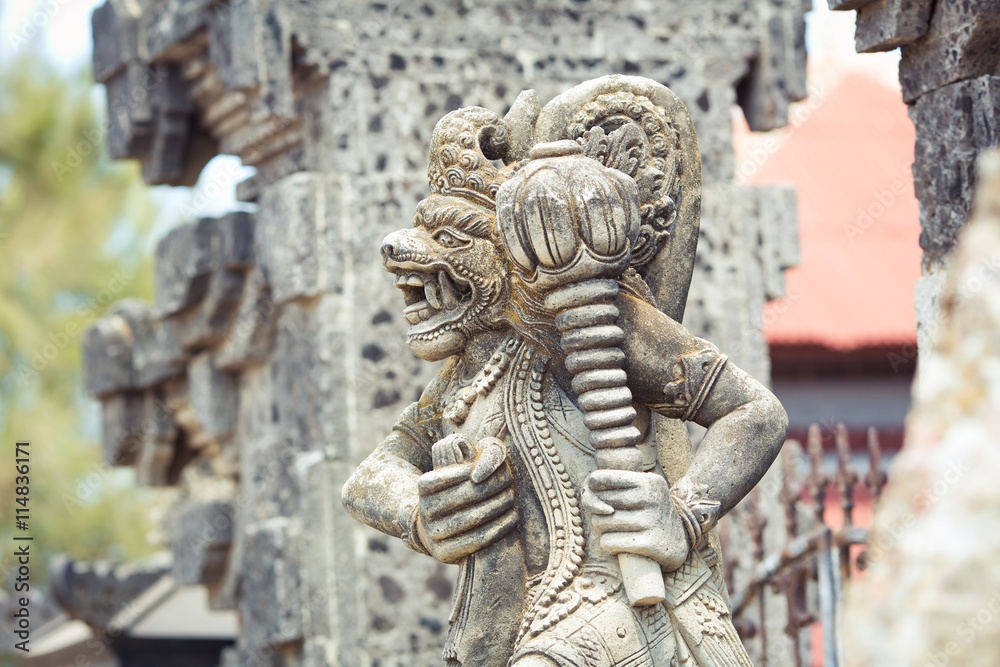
(698, 513)
(407, 521)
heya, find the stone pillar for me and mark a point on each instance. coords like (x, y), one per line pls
(273, 359)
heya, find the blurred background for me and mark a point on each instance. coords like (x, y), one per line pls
(78, 230)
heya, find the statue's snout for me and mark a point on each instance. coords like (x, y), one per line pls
(393, 244)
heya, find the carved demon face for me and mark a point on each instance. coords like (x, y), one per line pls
(451, 274)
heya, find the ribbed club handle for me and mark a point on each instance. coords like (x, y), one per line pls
(591, 338)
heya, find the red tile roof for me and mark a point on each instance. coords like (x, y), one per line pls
(858, 220)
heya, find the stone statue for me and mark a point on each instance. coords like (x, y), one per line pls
(549, 458)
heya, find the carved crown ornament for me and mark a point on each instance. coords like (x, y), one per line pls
(630, 124)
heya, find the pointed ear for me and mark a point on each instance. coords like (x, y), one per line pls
(462, 146)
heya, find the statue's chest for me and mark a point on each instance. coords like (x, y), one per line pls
(548, 452)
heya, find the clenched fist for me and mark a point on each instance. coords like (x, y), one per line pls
(633, 513)
(465, 505)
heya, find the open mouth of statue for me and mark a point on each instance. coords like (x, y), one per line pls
(436, 300)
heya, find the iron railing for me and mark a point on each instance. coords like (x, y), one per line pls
(816, 553)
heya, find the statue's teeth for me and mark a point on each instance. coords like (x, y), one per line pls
(449, 295)
(430, 291)
(412, 317)
(414, 280)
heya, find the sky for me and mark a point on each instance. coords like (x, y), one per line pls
(60, 29)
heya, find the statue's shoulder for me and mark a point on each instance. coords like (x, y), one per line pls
(670, 369)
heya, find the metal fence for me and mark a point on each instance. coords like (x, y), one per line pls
(816, 563)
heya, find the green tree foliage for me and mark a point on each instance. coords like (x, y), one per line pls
(73, 227)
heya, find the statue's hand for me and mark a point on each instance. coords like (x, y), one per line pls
(633, 513)
(463, 509)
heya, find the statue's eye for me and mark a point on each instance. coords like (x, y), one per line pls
(448, 240)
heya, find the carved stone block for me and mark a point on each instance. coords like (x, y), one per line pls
(960, 44)
(292, 217)
(212, 395)
(107, 356)
(182, 266)
(122, 427)
(270, 609)
(885, 25)
(250, 335)
(202, 535)
(954, 124)
(847, 5)
(159, 439)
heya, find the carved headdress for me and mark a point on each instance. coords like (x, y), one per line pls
(632, 124)
(462, 145)
(641, 128)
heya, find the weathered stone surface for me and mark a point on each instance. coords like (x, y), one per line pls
(962, 42)
(954, 124)
(212, 395)
(740, 250)
(122, 416)
(168, 150)
(115, 27)
(107, 356)
(763, 92)
(236, 240)
(130, 110)
(96, 592)
(290, 241)
(241, 656)
(168, 26)
(231, 48)
(156, 353)
(183, 263)
(934, 571)
(270, 606)
(211, 319)
(845, 5)
(159, 436)
(250, 336)
(202, 535)
(925, 298)
(885, 25)
(331, 580)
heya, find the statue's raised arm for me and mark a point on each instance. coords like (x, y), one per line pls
(548, 458)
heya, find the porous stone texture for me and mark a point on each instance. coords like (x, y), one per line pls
(886, 24)
(932, 595)
(954, 124)
(949, 69)
(273, 358)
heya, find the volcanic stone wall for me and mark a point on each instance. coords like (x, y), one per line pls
(272, 358)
